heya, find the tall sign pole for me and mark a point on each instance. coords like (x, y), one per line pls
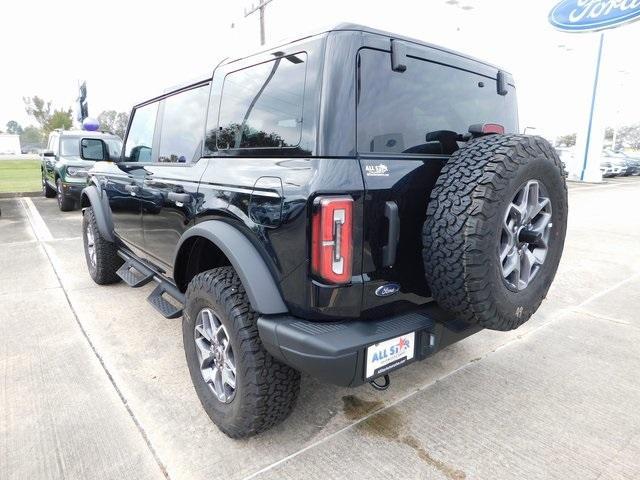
(260, 7)
(594, 94)
(577, 16)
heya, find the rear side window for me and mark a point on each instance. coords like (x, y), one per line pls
(261, 106)
(182, 122)
(411, 111)
(140, 137)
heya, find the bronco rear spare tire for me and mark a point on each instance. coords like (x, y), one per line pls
(495, 229)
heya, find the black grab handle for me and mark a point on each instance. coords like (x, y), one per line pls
(389, 250)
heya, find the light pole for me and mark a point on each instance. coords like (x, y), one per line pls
(260, 7)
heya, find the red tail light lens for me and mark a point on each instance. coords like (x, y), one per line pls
(331, 239)
(493, 128)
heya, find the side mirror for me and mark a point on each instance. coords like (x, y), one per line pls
(48, 153)
(93, 149)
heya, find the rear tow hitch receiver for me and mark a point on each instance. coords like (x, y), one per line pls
(380, 387)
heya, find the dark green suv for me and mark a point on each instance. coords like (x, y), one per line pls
(64, 171)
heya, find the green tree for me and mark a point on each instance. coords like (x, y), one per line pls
(608, 133)
(568, 140)
(31, 136)
(38, 109)
(114, 122)
(629, 136)
(59, 119)
(14, 127)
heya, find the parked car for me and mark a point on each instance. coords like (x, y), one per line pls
(329, 206)
(31, 148)
(64, 170)
(607, 169)
(618, 161)
(611, 163)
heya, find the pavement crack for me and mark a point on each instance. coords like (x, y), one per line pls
(604, 318)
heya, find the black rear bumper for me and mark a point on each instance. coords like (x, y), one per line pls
(335, 352)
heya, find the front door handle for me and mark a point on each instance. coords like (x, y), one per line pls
(132, 188)
(179, 197)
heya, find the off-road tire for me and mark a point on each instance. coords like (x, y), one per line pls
(266, 390)
(47, 191)
(65, 204)
(462, 231)
(107, 260)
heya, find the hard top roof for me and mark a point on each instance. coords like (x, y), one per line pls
(346, 26)
(340, 27)
(83, 133)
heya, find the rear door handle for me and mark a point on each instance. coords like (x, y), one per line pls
(389, 250)
(132, 188)
(179, 197)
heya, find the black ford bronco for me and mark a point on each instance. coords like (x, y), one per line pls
(341, 205)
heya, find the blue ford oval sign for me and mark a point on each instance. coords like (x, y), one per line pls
(591, 15)
(388, 289)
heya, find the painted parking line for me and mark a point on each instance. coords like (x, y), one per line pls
(599, 187)
(46, 241)
(40, 228)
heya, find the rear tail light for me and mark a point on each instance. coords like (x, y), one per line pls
(493, 128)
(479, 129)
(331, 239)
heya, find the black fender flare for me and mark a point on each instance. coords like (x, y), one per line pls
(256, 277)
(92, 196)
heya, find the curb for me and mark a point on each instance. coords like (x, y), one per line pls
(20, 194)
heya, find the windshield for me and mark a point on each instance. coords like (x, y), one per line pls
(70, 147)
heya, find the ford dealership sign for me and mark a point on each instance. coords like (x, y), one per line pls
(591, 15)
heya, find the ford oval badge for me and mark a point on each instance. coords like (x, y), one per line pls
(590, 15)
(388, 289)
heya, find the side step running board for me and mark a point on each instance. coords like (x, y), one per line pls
(136, 274)
(165, 307)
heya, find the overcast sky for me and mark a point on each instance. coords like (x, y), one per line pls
(128, 51)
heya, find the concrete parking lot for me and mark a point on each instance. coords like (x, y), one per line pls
(94, 384)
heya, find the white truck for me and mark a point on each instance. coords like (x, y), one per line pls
(9, 144)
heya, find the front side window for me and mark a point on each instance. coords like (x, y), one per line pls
(261, 106)
(421, 110)
(140, 137)
(182, 123)
(115, 147)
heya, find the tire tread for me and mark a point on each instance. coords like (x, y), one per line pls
(460, 215)
(270, 387)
